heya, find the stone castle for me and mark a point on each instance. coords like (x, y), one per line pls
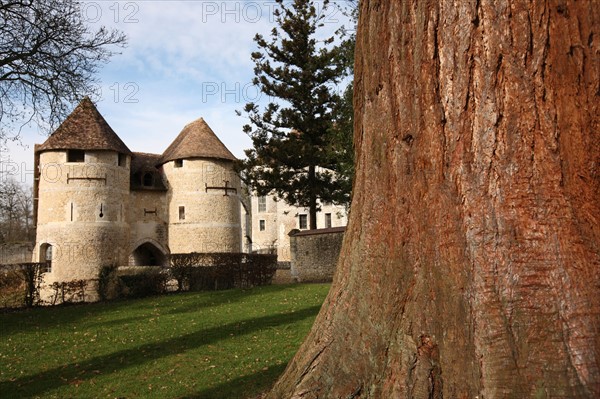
(97, 203)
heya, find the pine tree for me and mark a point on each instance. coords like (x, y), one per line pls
(298, 72)
(341, 140)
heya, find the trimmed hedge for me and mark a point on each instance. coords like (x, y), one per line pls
(148, 282)
(68, 291)
(20, 283)
(214, 271)
(192, 272)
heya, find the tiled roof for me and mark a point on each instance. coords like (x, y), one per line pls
(84, 129)
(143, 161)
(197, 140)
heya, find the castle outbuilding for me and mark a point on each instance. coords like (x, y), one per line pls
(97, 203)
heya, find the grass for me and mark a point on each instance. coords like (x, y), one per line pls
(226, 344)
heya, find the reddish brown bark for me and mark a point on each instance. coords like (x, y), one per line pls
(471, 263)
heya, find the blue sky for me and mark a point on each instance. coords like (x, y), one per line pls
(184, 60)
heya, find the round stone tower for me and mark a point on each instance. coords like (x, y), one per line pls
(81, 196)
(204, 192)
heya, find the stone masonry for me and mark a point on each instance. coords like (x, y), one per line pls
(314, 254)
(96, 203)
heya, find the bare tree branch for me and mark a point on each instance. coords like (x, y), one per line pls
(48, 61)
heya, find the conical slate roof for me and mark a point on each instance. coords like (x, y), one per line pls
(84, 129)
(196, 140)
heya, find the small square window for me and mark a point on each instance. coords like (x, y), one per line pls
(261, 225)
(75, 156)
(182, 213)
(179, 163)
(327, 220)
(122, 160)
(303, 221)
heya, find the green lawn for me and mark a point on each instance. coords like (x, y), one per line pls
(225, 344)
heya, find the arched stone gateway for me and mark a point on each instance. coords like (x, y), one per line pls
(148, 254)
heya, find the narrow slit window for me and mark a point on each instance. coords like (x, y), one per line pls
(182, 213)
(48, 258)
(261, 224)
(122, 160)
(328, 220)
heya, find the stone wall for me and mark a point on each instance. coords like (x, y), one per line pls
(266, 240)
(314, 253)
(82, 214)
(148, 219)
(279, 219)
(209, 221)
(16, 252)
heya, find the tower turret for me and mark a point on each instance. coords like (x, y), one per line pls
(203, 197)
(81, 196)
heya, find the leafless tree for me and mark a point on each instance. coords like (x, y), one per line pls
(49, 58)
(15, 211)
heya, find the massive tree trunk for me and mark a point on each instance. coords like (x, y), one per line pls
(471, 263)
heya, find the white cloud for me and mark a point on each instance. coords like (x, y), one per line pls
(185, 60)
(198, 40)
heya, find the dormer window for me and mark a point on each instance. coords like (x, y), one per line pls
(148, 179)
(75, 156)
(179, 163)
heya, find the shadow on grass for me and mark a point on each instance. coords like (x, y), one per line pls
(245, 387)
(191, 302)
(37, 384)
(229, 296)
(44, 318)
(48, 317)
